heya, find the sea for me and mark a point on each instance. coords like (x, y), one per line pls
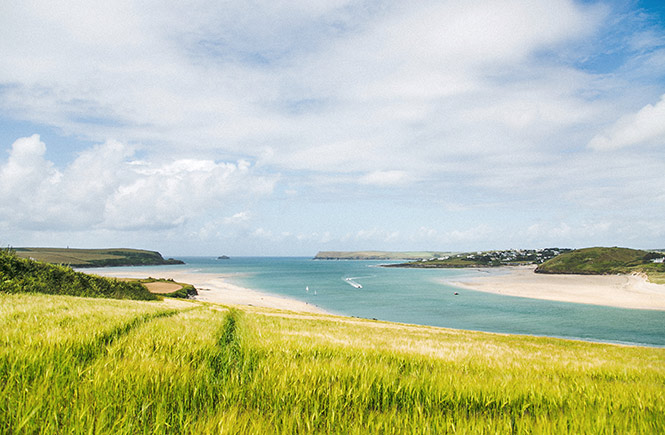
(426, 297)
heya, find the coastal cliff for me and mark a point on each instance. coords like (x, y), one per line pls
(96, 257)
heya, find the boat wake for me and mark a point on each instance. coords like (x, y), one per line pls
(352, 283)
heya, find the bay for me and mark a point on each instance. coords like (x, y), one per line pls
(420, 296)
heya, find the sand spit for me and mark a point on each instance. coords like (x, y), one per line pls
(623, 291)
(212, 287)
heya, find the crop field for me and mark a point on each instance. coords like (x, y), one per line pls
(94, 257)
(84, 365)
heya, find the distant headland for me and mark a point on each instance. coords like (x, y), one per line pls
(377, 255)
(586, 261)
(96, 257)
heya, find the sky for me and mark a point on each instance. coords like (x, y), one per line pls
(289, 127)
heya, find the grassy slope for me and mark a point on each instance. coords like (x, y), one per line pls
(602, 261)
(71, 364)
(19, 275)
(485, 259)
(657, 277)
(95, 257)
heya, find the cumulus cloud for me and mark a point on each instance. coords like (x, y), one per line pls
(104, 188)
(644, 128)
(469, 103)
(352, 95)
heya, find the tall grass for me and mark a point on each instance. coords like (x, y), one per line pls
(153, 368)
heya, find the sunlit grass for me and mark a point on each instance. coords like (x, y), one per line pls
(197, 368)
(657, 277)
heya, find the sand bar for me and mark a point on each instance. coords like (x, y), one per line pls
(623, 291)
(213, 287)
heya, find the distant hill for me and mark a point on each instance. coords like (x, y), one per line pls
(95, 257)
(604, 261)
(22, 275)
(377, 255)
(510, 257)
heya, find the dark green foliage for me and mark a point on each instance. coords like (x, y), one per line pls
(603, 261)
(20, 275)
(185, 292)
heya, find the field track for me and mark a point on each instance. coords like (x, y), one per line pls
(69, 364)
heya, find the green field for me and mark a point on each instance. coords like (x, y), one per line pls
(606, 261)
(81, 365)
(95, 257)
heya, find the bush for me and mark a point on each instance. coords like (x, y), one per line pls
(21, 275)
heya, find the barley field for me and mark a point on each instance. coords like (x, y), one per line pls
(89, 365)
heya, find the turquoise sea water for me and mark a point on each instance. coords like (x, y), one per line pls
(420, 297)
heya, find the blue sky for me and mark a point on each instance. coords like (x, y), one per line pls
(284, 128)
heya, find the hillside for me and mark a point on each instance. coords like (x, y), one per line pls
(511, 257)
(604, 261)
(22, 275)
(376, 255)
(71, 364)
(95, 257)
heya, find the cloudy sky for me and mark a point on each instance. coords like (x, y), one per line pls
(288, 127)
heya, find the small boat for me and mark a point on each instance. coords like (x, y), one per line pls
(307, 289)
(352, 283)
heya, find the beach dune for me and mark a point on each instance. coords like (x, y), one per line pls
(624, 291)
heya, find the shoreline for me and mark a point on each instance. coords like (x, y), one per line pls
(214, 287)
(620, 291)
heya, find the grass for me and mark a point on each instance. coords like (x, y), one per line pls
(603, 261)
(94, 257)
(79, 365)
(656, 277)
(20, 275)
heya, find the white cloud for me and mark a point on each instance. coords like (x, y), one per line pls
(25, 169)
(238, 218)
(103, 188)
(644, 128)
(476, 104)
(233, 79)
(474, 234)
(385, 178)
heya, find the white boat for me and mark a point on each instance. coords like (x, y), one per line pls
(352, 283)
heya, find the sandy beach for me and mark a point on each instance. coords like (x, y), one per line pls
(623, 291)
(215, 288)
